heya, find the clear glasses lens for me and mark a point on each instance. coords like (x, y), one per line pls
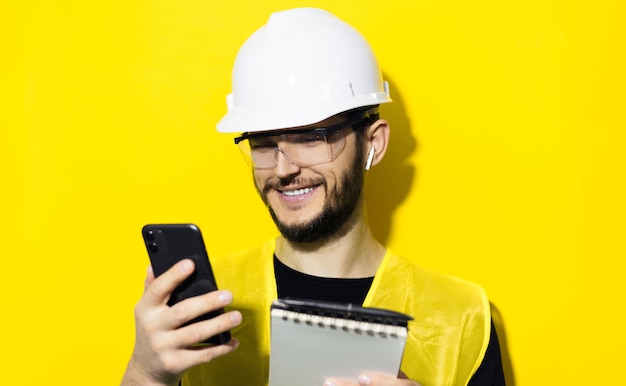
(302, 149)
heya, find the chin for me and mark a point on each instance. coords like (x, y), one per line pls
(291, 219)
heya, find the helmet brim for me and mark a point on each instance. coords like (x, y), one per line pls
(253, 119)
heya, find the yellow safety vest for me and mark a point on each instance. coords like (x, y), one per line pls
(447, 338)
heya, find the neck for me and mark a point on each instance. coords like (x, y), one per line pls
(355, 254)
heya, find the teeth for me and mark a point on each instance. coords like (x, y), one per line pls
(297, 192)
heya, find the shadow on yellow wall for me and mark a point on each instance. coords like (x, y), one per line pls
(391, 181)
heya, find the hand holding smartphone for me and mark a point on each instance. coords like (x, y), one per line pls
(168, 244)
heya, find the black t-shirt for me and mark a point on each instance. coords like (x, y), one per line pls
(294, 284)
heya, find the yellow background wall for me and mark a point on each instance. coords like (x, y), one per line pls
(507, 167)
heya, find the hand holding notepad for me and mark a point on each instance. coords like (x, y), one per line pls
(312, 341)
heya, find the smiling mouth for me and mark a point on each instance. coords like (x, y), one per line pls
(297, 192)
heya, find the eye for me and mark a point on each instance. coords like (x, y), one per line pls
(307, 138)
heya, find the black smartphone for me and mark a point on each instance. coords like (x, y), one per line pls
(168, 244)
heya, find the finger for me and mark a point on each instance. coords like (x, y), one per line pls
(191, 308)
(149, 278)
(160, 289)
(204, 354)
(338, 382)
(201, 331)
(373, 379)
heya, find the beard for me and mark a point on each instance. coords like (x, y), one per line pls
(341, 203)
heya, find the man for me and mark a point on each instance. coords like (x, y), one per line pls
(306, 90)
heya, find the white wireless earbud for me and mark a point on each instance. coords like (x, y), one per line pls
(370, 158)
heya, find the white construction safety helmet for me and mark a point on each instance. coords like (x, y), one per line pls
(303, 66)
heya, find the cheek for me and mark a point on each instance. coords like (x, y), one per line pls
(259, 178)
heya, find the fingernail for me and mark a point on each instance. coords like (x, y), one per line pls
(328, 382)
(235, 317)
(364, 380)
(225, 296)
(186, 266)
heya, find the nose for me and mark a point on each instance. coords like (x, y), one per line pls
(284, 167)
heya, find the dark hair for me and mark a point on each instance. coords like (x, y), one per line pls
(371, 115)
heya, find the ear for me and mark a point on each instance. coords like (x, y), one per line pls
(378, 139)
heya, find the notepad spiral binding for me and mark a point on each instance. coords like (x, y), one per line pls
(347, 325)
(346, 317)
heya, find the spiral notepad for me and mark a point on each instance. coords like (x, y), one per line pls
(312, 341)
